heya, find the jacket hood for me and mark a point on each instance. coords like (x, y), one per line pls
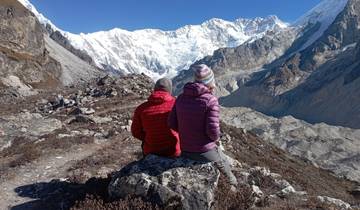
(160, 96)
(195, 89)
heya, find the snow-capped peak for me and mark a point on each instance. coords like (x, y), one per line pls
(324, 13)
(160, 53)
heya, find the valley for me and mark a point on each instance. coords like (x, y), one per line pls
(290, 111)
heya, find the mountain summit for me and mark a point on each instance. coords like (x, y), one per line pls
(160, 53)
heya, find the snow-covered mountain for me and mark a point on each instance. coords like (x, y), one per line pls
(163, 53)
(323, 14)
(158, 53)
(320, 83)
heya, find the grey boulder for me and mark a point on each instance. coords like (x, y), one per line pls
(168, 182)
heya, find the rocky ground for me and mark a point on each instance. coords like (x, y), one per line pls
(58, 151)
(331, 147)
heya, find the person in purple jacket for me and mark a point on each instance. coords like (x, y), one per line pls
(196, 117)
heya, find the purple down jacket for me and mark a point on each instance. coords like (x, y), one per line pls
(196, 117)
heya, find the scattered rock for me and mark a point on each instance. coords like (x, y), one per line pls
(101, 120)
(257, 192)
(168, 182)
(69, 102)
(80, 119)
(127, 128)
(107, 80)
(324, 145)
(63, 135)
(356, 191)
(284, 193)
(332, 201)
(87, 133)
(111, 93)
(75, 111)
(26, 124)
(87, 111)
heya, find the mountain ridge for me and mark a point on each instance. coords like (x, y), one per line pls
(122, 52)
(309, 83)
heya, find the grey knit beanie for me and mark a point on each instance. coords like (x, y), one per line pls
(164, 84)
(203, 74)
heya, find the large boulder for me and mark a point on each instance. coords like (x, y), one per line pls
(168, 182)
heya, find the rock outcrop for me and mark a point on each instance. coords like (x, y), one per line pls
(24, 61)
(30, 61)
(170, 183)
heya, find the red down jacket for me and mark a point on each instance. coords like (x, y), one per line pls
(150, 125)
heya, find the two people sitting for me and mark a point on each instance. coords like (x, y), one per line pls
(188, 126)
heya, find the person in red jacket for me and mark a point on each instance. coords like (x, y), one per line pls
(150, 122)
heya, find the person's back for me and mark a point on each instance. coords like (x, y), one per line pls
(198, 118)
(150, 125)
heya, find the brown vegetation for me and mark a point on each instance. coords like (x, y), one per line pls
(301, 174)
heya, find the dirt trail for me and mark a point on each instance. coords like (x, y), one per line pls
(43, 170)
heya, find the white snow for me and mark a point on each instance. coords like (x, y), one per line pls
(324, 13)
(160, 53)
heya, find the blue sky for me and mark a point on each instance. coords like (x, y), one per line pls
(95, 15)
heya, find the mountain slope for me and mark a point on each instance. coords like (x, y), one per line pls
(24, 61)
(65, 158)
(74, 69)
(235, 65)
(30, 61)
(325, 14)
(330, 147)
(313, 84)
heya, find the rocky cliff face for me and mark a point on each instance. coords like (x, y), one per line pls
(25, 62)
(30, 61)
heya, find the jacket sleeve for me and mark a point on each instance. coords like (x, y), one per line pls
(212, 119)
(172, 120)
(136, 127)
